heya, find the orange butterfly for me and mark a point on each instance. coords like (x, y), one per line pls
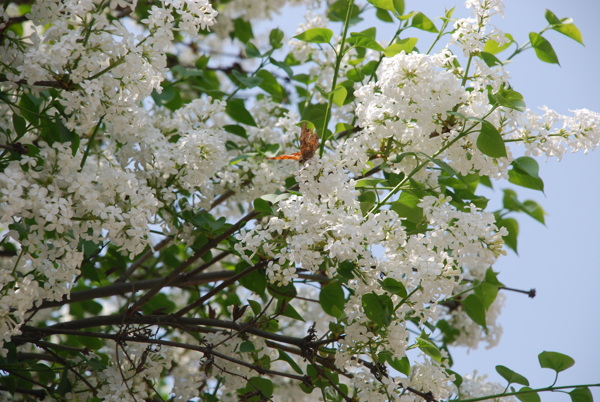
(309, 142)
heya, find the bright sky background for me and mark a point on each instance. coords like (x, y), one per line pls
(562, 259)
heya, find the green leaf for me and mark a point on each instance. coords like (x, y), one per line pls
(511, 376)
(581, 394)
(555, 361)
(275, 38)
(490, 141)
(339, 95)
(525, 395)
(290, 311)
(407, 45)
(513, 232)
(338, 10)
(369, 183)
(260, 384)
(493, 47)
(255, 281)
(551, 18)
(534, 210)
(398, 6)
(407, 207)
(510, 99)
(270, 85)
(402, 365)
(263, 206)
(247, 81)
(429, 348)
(383, 15)
(242, 30)
(315, 35)
(236, 130)
(383, 4)
(543, 48)
(19, 124)
(332, 299)
(282, 65)
(569, 29)
(490, 59)
(364, 39)
(251, 50)
(420, 21)
(285, 357)
(524, 173)
(391, 285)
(475, 309)
(246, 347)
(237, 111)
(378, 308)
(487, 292)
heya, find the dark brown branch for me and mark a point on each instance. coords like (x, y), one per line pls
(175, 273)
(206, 350)
(223, 285)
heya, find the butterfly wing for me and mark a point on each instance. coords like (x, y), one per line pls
(309, 142)
(295, 156)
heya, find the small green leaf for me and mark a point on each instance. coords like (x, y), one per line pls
(270, 85)
(251, 50)
(420, 21)
(393, 286)
(543, 48)
(569, 30)
(362, 39)
(581, 394)
(289, 311)
(555, 361)
(551, 18)
(246, 347)
(475, 309)
(534, 210)
(407, 206)
(383, 4)
(332, 299)
(237, 111)
(487, 292)
(247, 81)
(285, 357)
(490, 141)
(315, 35)
(429, 348)
(524, 173)
(510, 99)
(275, 37)
(402, 365)
(19, 124)
(263, 385)
(493, 47)
(398, 6)
(263, 206)
(511, 376)
(339, 95)
(407, 45)
(242, 30)
(282, 65)
(513, 232)
(526, 395)
(369, 183)
(378, 308)
(383, 15)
